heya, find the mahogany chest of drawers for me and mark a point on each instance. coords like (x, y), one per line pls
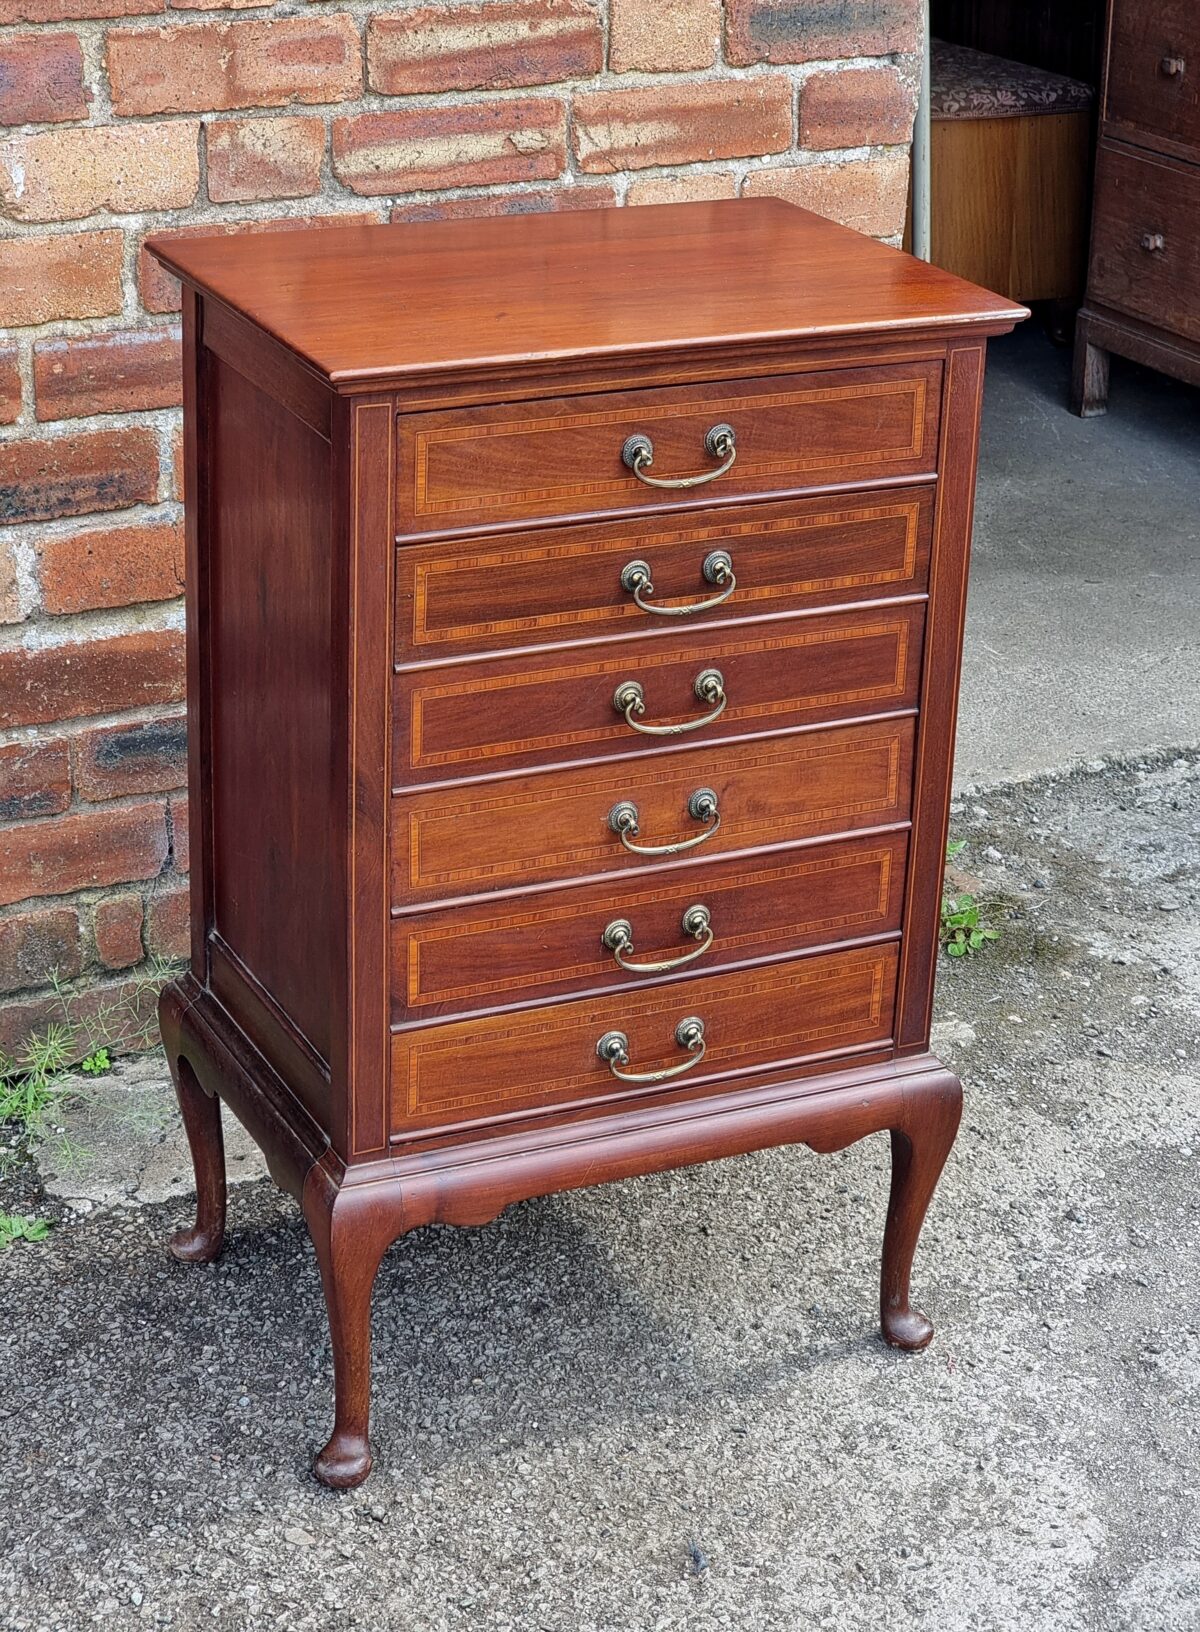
(574, 627)
(1143, 292)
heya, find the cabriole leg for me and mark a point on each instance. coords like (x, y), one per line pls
(919, 1151)
(202, 1123)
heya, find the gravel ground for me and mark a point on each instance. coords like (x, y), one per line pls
(664, 1404)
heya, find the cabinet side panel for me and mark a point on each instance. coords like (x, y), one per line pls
(273, 824)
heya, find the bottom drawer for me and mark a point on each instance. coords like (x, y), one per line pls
(479, 1070)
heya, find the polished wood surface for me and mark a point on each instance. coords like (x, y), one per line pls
(369, 303)
(562, 584)
(562, 456)
(405, 756)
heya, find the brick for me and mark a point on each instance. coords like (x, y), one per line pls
(496, 46)
(10, 385)
(51, 683)
(534, 201)
(651, 37)
(159, 291)
(870, 195)
(107, 373)
(11, 608)
(682, 189)
(264, 158)
(114, 844)
(682, 123)
(60, 175)
(785, 31)
(140, 756)
(167, 924)
(208, 67)
(855, 107)
(177, 492)
(117, 928)
(74, 274)
(423, 149)
(70, 11)
(181, 851)
(41, 79)
(71, 475)
(35, 779)
(36, 947)
(118, 1014)
(119, 566)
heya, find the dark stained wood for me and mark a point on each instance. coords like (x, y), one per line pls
(389, 303)
(1146, 254)
(548, 944)
(524, 711)
(403, 759)
(564, 583)
(1153, 85)
(562, 456)
(524, 831)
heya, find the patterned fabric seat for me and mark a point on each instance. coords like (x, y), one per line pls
(969, 84)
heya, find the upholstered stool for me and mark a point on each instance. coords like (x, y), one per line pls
(1009, 154)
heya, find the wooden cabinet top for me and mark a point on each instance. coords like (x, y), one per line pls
(363, 303)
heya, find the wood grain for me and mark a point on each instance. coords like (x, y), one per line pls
(1139, 94)
(1138, 198)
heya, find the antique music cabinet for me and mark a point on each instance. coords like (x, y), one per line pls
(575, 609)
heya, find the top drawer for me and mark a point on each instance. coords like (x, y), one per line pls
(472, 467)
(1154, 68)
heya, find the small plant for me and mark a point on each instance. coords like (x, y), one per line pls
(962, 930)
(31, 1083)
(20, 1227)
(97, 1064)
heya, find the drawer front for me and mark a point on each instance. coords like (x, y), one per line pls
(471, 467)
(519, 712)
(777, 1015)
(1154, 68)
(1146, 240)
(564, 583)
(550, 944)
(532, 830)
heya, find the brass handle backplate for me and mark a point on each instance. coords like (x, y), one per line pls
(709, 686)
(618, 939)
(613, 1049)
(637, 455)
(701, 807)
(717, 569)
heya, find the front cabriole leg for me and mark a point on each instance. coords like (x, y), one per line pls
(201, 1112)
(920, 1145)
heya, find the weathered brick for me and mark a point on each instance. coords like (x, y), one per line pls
(72, 274)
(657, 38)
(212, 5)
(11, 610)
(159, 291)
(71, 475)
(167, 923)
(177, 491)
(35, 779)
(41, 79)
(107, 373)
(784, 31)
(264, 158)
(36, 947)
(870, 195)
(140, 756)
(180, 833)
(70, 11)
(496, 45)
(682, 189)
(118, 1014)
(855, 107)
(119, 566)
(682, 123)
(207, 67)
(113, 844)
(90, 677)
(117, 928)
(534, 201)
(10, 385)
(60, 175)
(417, 149)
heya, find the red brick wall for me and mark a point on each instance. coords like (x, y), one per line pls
(122, 117)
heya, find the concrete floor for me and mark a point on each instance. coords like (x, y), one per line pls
(662, 1405)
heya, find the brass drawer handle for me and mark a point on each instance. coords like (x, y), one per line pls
(701, 807)
(717, 569)
(1173, 67)
(637, 455)
(1153, 242)
(613, 1049)
(618, 939)
(709, 685)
